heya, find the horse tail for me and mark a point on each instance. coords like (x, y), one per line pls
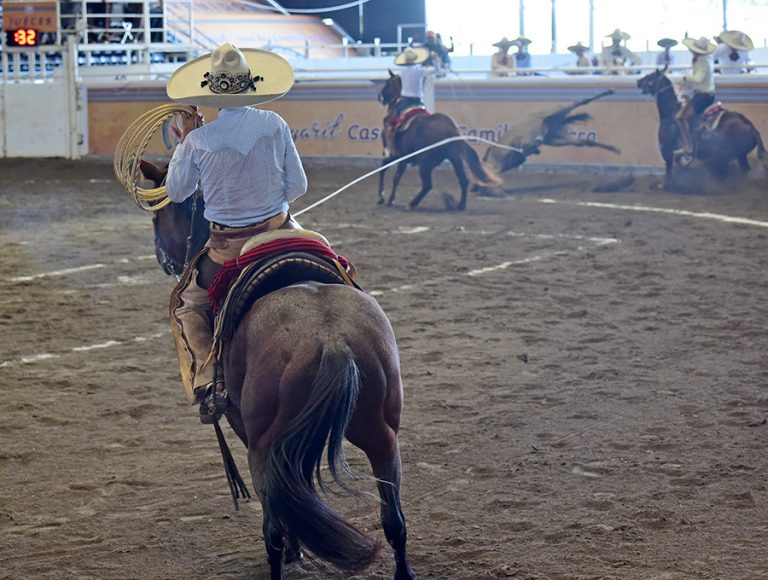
(481, 172)
(292, 471)
(762, 155)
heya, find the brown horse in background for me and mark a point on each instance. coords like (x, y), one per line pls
(425, 130)
(307, 365)
(734, 138)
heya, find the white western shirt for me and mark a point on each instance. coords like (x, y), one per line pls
(702, 78)
(246, 164)
(412, 78)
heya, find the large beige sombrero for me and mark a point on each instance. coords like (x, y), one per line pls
(737, 40)
(504, 43)
(412, 55)
(618, 35)
(578, 48)
(700, 45)
(231, 77)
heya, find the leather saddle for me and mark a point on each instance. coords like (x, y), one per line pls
(710, 117)
(268, 262)
(404, 119)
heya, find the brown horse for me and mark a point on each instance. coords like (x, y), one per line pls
(308, 365)
(425, 130)
(734, 138)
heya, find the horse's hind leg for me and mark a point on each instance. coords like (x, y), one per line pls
(396, 180)
(461, 175)
(425, 171)
(380, 445)
(744, 164)
(274, 535)
(275, 544)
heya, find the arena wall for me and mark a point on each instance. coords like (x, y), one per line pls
(343, 119)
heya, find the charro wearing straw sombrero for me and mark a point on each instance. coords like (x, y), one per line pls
(246, 164)
(701, 82)
(502, 63)
(665, 58)
(732, 53)
(614, 58)
(413, 72)
(522, 56)
(582, 60)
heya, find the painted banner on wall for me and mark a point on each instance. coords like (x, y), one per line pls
(345, 120)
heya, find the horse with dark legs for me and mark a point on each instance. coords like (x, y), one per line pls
(308, 365)
(425, 130)
(734, 138)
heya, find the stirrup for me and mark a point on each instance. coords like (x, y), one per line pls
(212, 404)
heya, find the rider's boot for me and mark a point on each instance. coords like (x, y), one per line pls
(213, 403)
(191, 327)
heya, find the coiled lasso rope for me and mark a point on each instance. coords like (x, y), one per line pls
(130, 150)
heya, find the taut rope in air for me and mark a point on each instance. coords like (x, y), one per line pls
(403, 158)
(131, 148)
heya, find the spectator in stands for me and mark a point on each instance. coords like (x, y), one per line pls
(245, 163)
(700, 85)
(732, 52)
(522, 56)
(665, 58)
(502, 63)
(70, 14)
(413, 73)
(434, 44)
(721, 53)
(156, 22)
(616, 57)
(582, 60)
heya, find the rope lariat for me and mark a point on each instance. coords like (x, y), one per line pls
(130, 149)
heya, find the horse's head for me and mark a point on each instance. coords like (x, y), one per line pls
(652, 84)
(649, 84)
(180, 228)
(391, 91)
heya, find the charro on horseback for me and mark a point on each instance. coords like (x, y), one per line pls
(307, 357)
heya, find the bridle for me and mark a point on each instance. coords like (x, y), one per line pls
(669, 87)
(168, 263)
(387, 101)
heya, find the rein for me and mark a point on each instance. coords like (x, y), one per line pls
(170, 264)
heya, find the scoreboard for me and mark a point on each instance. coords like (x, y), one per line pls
(30, 23)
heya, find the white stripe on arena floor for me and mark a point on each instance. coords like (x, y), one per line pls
(596, 241)
(649, 209)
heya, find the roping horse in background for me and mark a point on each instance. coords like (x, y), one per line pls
(419, 132)
(733, 138)
(307, 365)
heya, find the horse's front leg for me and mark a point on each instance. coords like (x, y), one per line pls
(669, 163)
(381, 178)
(401, 167)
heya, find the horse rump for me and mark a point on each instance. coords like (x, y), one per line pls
(291, 475)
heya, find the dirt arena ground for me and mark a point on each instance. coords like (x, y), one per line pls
(585, 380)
